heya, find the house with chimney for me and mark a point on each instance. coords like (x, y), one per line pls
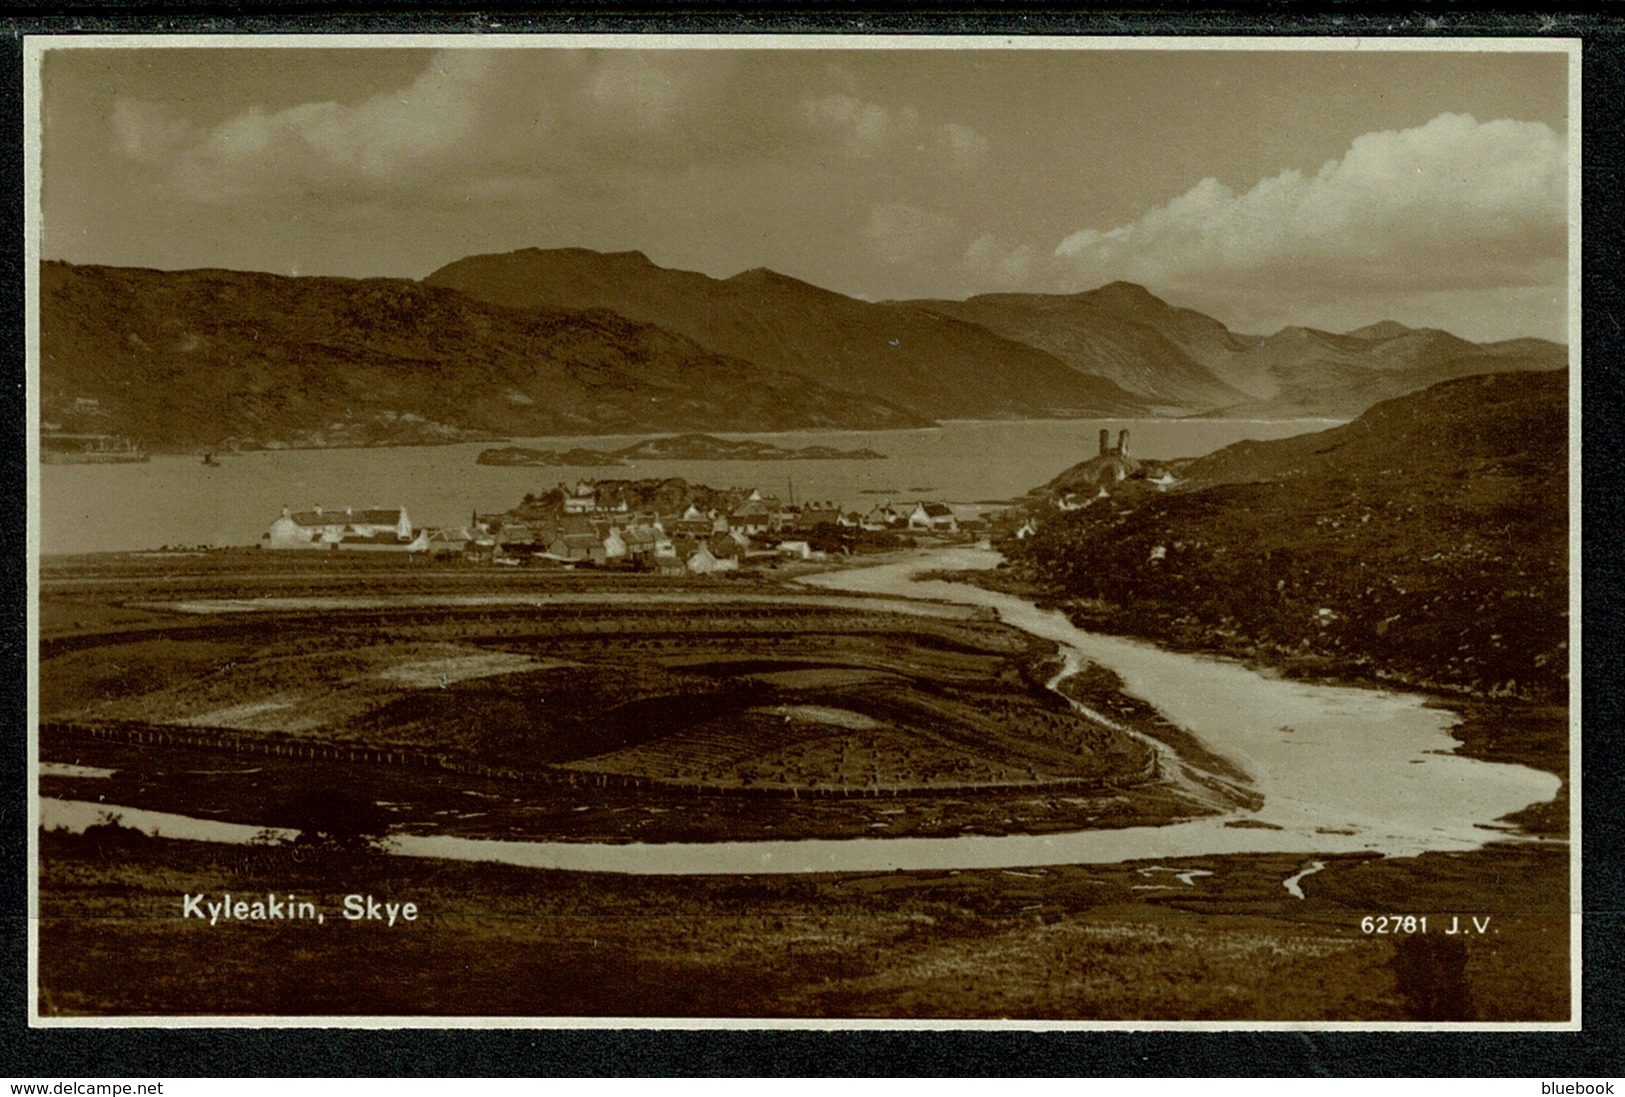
(644, 542)
(325, 529)
(933, 516)
(584, 547)
(813, 516)
(883, 516)
(581, 499)
(702, 561)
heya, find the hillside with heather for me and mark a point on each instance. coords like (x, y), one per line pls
(186, 359)
(934, 365)
(1424, 543)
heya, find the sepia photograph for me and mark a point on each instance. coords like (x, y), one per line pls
(814, 531)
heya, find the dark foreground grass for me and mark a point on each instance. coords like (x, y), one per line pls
(1119, 942)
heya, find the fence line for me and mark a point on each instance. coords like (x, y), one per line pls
(227, 739)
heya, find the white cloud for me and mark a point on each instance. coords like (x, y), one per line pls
(964, 146)
(868, 130)
(147, 131)
(1449, 205)
(899, 233)
(992, 265)
(375, 143)
(469, 115)
(649, 91)
(476, 124)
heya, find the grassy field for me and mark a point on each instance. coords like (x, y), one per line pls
(618, 720)
(1119, 942)
(727, 719)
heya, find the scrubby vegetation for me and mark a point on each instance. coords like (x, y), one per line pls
(1425, 543)
(1113, 942)
(653, 711)
(714, 696)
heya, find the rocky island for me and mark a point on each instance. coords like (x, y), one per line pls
(681, 447)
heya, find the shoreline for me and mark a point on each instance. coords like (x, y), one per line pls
(1152, 936)
(1289, 666)
(1480, 727)
(721, 818)
(936, 425)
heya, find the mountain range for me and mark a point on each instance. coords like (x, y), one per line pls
(571, 341)
(187, 360)
(1185, 362)
(938, 366)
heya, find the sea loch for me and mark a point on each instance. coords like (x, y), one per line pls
(178, 500)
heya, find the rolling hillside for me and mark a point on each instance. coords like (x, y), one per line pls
(934, 365)
(1187, 362)
(183, 360)
(1097, 334)
(1425, 542)
(577, 342)
(1305, 372)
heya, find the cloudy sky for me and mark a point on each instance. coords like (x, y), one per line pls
(1266, 188)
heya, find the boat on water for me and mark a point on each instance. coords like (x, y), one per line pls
(61, 448)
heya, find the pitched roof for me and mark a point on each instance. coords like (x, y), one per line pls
(385, 538)
(938, 510)
(384, 516)
(722, 545)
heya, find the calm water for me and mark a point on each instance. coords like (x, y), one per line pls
(1341, 770)
(181, 501)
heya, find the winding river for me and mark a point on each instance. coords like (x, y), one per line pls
(1340, 769)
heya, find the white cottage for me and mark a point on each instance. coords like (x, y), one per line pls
(319, 529)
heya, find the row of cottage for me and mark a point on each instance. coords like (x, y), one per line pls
(758, 513)
(693, 540)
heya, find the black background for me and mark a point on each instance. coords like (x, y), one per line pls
(137, 1052)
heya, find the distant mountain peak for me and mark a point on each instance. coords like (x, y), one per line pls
(626, 258)
(1382, 329)
(758, 275)
(1125, 294)
(618, 258)
(1297, 333)
(280, 360)
(766, 278)
(900, 358)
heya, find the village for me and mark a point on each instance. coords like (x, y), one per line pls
(668, 526)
